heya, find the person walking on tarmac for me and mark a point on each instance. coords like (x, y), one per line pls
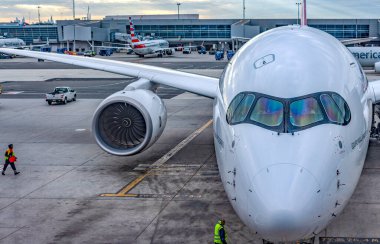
(220, 235)
(10, 158)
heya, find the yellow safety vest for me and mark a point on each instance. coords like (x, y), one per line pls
(219, 226)
(9, 153)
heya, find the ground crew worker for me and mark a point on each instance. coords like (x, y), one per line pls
(220, 235)
(10, 158)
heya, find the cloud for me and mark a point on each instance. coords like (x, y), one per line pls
(219, 9)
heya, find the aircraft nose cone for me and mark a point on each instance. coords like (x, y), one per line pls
(287, 200)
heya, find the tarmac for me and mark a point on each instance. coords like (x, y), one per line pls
(71, 191)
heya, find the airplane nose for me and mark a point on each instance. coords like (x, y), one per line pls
(287, 201)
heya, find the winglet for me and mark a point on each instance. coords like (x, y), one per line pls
(304, 15)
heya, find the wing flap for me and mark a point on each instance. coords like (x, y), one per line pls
(198, 84)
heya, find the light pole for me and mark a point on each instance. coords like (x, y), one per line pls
(73, 9)
(39, 15)
(178, 8)
(244, 18)
(298, 17)
(243, 9)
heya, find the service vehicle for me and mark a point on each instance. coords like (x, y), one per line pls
(105, 52)
(230, 54)
(89, 53)
(71, 53)
(186, 50)
(61, 95)
(219, 55)
(5, 56)
(61, 50)
(202, 50)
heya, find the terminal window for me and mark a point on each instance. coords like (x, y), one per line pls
(185, 31)
(345, 31)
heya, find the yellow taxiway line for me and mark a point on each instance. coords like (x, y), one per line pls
(156, 165)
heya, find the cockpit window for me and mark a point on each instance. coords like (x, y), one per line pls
(285, 115)
(242, 110)
(342, 106)
(305, 112)
(268, 112)
(235, 102)
(332, 110)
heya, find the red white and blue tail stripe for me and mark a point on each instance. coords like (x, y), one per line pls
(304, 15)
(132, 29)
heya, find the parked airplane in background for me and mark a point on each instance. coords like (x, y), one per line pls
(12, 43)
(19, 43)
(122, 37)
(142, 48)
(367, 56)
(291, 125)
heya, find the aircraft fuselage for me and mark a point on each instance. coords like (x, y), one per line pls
(289, 168)
(150, 47)
(367, 56)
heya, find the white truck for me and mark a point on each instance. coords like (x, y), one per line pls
(61, 95)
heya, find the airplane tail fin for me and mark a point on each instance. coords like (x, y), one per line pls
(134, 39)
(304, 15)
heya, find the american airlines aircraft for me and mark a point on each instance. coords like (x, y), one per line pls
(12, 42)
(292, 114)
(367, 56)
(143, 48)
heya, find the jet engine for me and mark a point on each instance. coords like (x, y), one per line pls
(129, 121)
(377, 67)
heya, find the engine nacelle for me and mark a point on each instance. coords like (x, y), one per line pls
(129, 121)
(377, 67)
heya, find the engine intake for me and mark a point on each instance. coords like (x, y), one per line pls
(129, 122)
(377, 67)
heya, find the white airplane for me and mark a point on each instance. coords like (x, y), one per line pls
(142, 48)
(292, 114)
(18, 43)
(367, 56)
(12, 42)
(122, 37)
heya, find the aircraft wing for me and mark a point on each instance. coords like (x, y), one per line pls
(198, 84)
(357, 40)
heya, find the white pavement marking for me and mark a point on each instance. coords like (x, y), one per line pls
(80, 129)
(12, 92)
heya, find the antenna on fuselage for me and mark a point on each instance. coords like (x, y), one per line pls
(304, 15)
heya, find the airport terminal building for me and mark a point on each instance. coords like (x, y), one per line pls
(183, 29)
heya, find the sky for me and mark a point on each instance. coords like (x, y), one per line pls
(218, 9)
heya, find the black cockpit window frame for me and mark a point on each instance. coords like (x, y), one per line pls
(286, 126)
